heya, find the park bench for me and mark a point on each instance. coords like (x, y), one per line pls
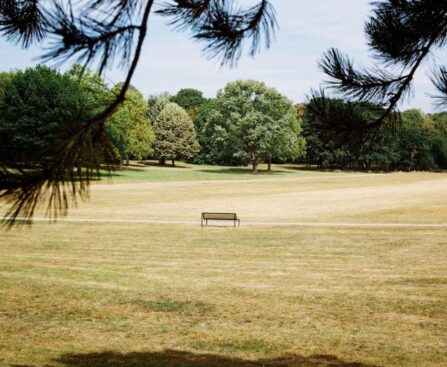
(220, 216)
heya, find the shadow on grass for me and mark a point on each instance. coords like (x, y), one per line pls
(172, 358)
(334, 169)
(158, 165)
(239, 171)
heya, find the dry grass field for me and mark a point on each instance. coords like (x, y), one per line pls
(151, 295)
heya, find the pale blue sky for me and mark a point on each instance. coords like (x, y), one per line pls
(172, 61)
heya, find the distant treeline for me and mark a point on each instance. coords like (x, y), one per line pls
(413, 140)
(246, 123)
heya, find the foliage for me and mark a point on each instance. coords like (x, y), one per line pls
(93, 85)
(5, 78)
(156, 104)
(175, 137)
(129, 127)
(103, 33)
(39, 109)
(249, 122)
(190, 99)
(401, 36)
(439, 142)
(415, 144)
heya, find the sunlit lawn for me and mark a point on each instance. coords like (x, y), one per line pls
(108, 294)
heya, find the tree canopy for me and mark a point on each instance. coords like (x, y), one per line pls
(417, 143)
(39, 109)
(250, 122)
(156, 104)
(103, 34)
(5, 78)
(190, 100)
(401, 35)
(175, 137)
(129, 127)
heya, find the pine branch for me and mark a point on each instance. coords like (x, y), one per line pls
(401, 35)
(76, 163)
(104, 31)
(222, 28)
(22, 21)
(439, 80)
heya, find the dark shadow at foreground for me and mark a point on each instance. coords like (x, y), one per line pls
(171, 358)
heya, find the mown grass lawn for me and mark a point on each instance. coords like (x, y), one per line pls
(135, 295)
(151, 171)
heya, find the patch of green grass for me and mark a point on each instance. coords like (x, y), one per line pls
(242, 344)
(187, 308)
(189, 172)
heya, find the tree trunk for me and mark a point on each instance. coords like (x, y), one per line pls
(254, 162)
(269, 169)
(173, 162)
(127, 161)
(162, 161)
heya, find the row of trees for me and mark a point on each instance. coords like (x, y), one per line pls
(411, 140)
(401, 35)
(246, 123)
(40, 108)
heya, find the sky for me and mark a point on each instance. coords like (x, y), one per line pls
(307, 28)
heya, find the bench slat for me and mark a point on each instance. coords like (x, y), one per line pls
(219, 216)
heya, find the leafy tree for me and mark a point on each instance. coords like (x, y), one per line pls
(439, 141)
(411, 145)
(300, 109)
(401, 35)
(250, 122)
(440, 122)
(415, 141)
(157, 103)
(416, 118)
(439, 150)
(129, 127)
(202, 131)
(175, 137)
(105, 33)
(190, 99)
(5, 78)
(93, 86)
(326, 149)
(40, 109)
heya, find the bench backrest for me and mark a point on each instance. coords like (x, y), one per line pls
(219, 216)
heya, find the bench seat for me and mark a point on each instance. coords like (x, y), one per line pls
(206, 216)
